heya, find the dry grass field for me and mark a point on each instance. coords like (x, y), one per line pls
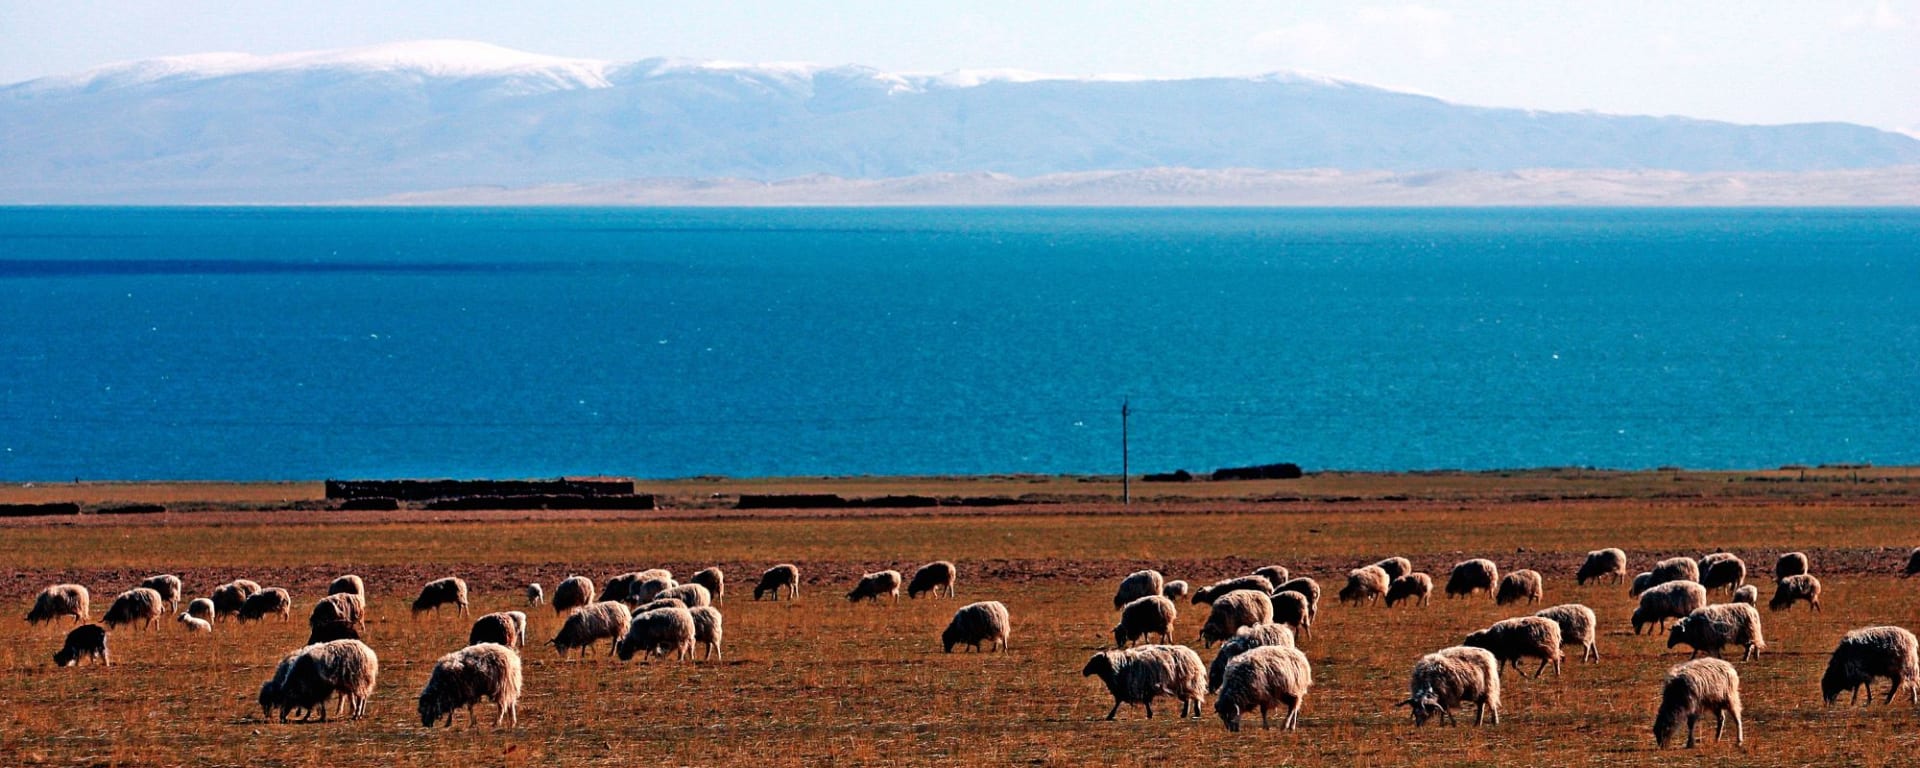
(819, 681)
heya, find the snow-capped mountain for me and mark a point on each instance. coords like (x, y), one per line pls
(431, 115)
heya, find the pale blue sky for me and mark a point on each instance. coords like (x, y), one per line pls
(1743, 60)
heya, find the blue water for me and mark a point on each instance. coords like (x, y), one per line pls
(305, 343)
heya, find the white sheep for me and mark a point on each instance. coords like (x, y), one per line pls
(1449, 677)
(659, 603)
(138, 605)
(1292, 609)
(349, 584)
(272, 601)
(1152, 614)
(1233, 610)
(1695, 688)
(169, 587)
(451, 590)
(1747, 593)
(1864, 654)
(649, 588)
(934, 578)
(1793, 589)
(343, 608)
(979, 623)
(1791, 564)
(691, 595)
(605, 620)
(785, 575)
(1413, 586)
(1276, 574)
(1247, 639)
(194, 623)
(1674, 569)
(1268, 677)
(572, 592)
(536, 595)
(87, 641)
(1724, 570)
(1307, 588)
(1212, 592)
(506, 628)
(347, 668)
(714, 579)
(1137, 585)
(1511, 640)
(1671, 600)
(708, 631)
(1365, 585)
(1602, 564)
(1176, 589)
(1138, 675)
(1395, 567)
(1710, 628)
(1472, 576)
(464, 677)
(659, 632)
(1578, 626)
(1523, 584)
(228, 598)
(873, 585)
(200, 608)
(60, 600)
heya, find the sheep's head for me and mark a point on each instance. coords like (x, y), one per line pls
(1641, 583)
(1424, 705)
(1099, 664)
(1665, 725)
(269, 696)
(1678, 633)
(1479, 639)
(1834, 681)
(432, 709)
(1229, 713)
(1640, 620)
(64, 657)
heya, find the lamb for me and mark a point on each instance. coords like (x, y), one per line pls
(976, 624)
(1152, 614)
(87, 641)
(873, 585)
(508, 628)
(1511, 640)
(605, 620)
(1448, 677)
(168, 585)
(1642, 582)
(1747, 593)
(347, 668)
(1241, 608)
(1864, 654)
(1364, 585)
(1274, 573)
(1601, 564)
(1695, 688)
(1138, 675)
(573, 592)
(1671, 600)
(1176, 589)
(60, 600)
(349, 584)
(137, 605)
(708, 631)
(536, 595)
(1674, 569)
(347, 608)
(715, 580)
(1395, 567)
(1913, 563)
(451, 590)
(1523, 584)
(1308, 588)
(193, 623)
(1578, 626)
(1791, 564)
(1413, 586)
(1292, 609)
(1472, 576)
(1137, 585)
(201, 608)
(1247, 639)
(1213, 592)
(1710, 628)
(932, 578)
(464, 677)
(658, 632)
(1264, 678)
(266, 602)
(690, 595)
(1727, 571)
(1793, 589)
(771, 580)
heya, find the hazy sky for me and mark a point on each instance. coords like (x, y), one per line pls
(1761, 61)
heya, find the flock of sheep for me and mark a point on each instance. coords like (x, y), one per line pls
(1255, 618)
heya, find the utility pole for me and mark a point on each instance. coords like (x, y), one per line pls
(1126, 475)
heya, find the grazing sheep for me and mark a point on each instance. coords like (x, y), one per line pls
(270, 690)
(193, 623)
(1264, 678)
(1247, 639)
(200, 608)
(1511, 640)
(771, 580)
(690, 595)
(1138, 675)
(1864, 654)
(1448, 677)
(1413, 586)
(349, 584)
(1695, 688)
(1641, 583)
(708, 631)
(347, 668)
(659, 632)
(649, 588)
(227, 598)
(1793, 589)
(1364, 585)
(1523, 584)
(604, 620)
(1472, 576)
(1671, 600)
(1710, 628)
(1307, 588)
(1210, 593)
(978, 623)
(573, 592)
(137, 605)
(873, 585)
(344, 607)
(1137, 585)
(1601, 564)
(1233, 610)
(1578, 626)
(715, 580)
(87, 641)
(1674, 569)
(536, 595)
(331, 631)
(451, 590)
(502, 628)
(1729, 572)
(658, 603)
(464, 677)
(1152, 614)
(1395, 567)
(168, 585)
(1747, 593)
(932, 578)
(1913, 563)
(267, 602)
(60, 600)
(1718, 555)
(618, 587)
(1272, 573)
(1176, 589)
(1791, 564)
(1292, 609)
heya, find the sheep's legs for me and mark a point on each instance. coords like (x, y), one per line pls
(1293, 716)
(1115, 712)
(1691, 719)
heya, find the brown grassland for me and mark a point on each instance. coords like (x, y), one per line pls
(820, 681)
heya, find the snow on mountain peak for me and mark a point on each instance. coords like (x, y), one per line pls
(433, 58)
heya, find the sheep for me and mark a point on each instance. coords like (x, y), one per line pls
(1601, 564)
(501, 628)
(1747, 593)
(1913, 563)
(1292, 609)
(1273, 573)
(347, 668)
(1718, 555)
(1671, 600)
(1864, 654)
(347, 608)
(439, 592)
(1241, 608)
(708, 631)
(648, 589)
(536, 595)
(1448, 677)
(138, 605)
(1176, 589)
(329, 631)
(1511, 640)
(771, 580)
(1523, 584)
(932, 578)
(658, 603)
(229, 597)
(1413, 586)
(1710, 628)
(1138, 675)
(1642, 582)
(659, 632)
(1307, 588)
(349, 584)
(1264, 678)
(1674, 569)
(267, 601)
(194, 623)
(1152, 614)
(1472, 576)
(1791, 564)
(976, 624)
(654, 573)
(270, 690)
(1695, 688)
(1395, 567)
(1793, 589)
(1137, 585)
(168, 585)
(464, 677)
(715, 580)
(87, 641)
(873, 585)
(1728, 571)
(618, 587)
(605, 620)
(573, 592)
(1212, 592)
(60, 600)
(200, 608)
(1578, 626)
(1247, 639)
(1364, 585)
(690, 595)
